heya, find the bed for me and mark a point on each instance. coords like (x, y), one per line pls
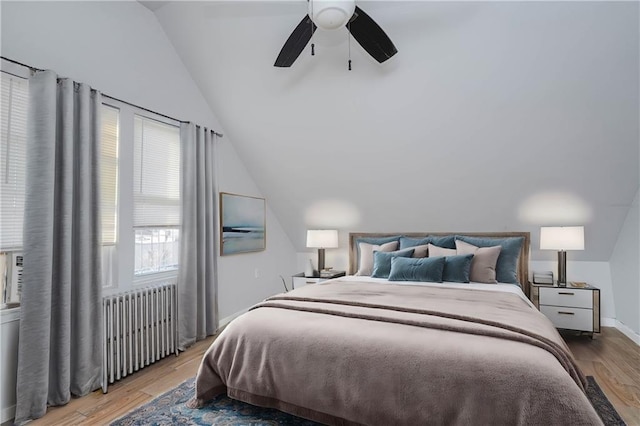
(370, 349)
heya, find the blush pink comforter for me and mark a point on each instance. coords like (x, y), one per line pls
(348, 353)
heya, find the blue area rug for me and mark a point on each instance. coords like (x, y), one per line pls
(169, 409)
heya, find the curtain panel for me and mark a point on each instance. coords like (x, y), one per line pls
(60, 346)
(197, 277)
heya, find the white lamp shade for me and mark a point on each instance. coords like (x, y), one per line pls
(322, 238)
(331, 14)
(562, 238)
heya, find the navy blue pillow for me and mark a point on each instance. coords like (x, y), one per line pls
(382, 261)
(456, 268)
(425, 269)
(507, 265)
(447, 241)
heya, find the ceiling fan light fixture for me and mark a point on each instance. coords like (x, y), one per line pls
(330, 15)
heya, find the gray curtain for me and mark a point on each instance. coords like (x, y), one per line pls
(60, 350)
(197, 278)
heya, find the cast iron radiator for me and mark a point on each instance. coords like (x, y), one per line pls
(139, 329)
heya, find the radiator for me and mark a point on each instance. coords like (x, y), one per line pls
(139, 329)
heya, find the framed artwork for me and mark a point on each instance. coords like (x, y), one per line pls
(242, 223)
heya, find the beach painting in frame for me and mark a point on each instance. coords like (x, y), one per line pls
(243, 224)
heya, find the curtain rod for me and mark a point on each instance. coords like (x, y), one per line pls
(110, 97)
(156, 113)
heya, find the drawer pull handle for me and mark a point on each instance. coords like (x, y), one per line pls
(566, 293)
(566, 313)
(311, 282)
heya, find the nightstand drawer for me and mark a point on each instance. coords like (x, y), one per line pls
(569, 318)
(570, 297)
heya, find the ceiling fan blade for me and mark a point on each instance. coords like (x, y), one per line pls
(295, 43)
(371, 37)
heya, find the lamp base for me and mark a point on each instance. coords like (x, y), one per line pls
(320, 260)
(562, 268)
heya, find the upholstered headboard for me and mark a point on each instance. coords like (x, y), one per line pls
(523, 259)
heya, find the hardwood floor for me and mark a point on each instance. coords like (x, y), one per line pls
(125, 395)
(614, 360)
(611, 357)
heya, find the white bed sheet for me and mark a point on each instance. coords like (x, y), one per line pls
(500, 287)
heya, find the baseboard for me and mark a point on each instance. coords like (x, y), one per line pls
(635, 337)
(608, 322)
(8, 413)
(226, 320)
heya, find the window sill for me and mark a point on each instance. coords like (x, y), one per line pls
(160, 277)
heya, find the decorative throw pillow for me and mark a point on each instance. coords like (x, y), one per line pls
(366, 255)
(446, 241)
(457, 268)
(418, 251)
(428, 269)
(382, 261)
(507, 266)
(435, 251)
(483, 264)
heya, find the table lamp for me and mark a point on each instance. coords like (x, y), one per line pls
(322, 239)
(562, 238)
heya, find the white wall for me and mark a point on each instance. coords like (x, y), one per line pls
(625, 272)
(9, 332)
(493, 116)
(120, 49)
(249, 278)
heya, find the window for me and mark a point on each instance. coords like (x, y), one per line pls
(109, 193)
(156, 195)
(13, 139)
(156, 250)
(109, 173)
(140, 182)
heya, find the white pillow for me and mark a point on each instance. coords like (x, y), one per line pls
(435, 251)
(483, 264)
(366, 255)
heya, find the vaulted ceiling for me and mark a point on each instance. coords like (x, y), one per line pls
(492, 116)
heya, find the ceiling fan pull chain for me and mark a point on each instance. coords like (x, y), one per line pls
(349, 42)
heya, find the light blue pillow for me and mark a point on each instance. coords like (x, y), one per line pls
(382, 261)
(507, 265)
(457, 268)
(446, 241)
(425, 269)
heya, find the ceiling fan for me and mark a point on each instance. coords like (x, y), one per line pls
(332, 14)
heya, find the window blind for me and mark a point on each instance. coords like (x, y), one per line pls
(156, 174)
(109, 173)
(13, 158)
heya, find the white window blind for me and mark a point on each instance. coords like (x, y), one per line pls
(13, 157)
(109, 173)
(156, 173)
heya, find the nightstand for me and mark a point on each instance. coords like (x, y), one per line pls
(569, 308)
(299, 280)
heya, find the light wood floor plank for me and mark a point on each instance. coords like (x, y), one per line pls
(614, 361)
(611, 358)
